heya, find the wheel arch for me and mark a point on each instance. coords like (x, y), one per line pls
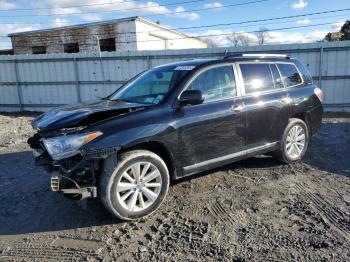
(161, 150)
(304, 117)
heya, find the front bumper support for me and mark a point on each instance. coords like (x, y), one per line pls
(83, 192)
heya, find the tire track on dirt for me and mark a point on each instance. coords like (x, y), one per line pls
(222, 213)
(34, 251)
(333, 216)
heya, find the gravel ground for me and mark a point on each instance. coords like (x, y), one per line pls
(253, 210)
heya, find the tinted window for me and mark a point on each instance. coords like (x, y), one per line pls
(256, 77)
(216, 83)
(276, 76)
(305, 73)
(290, 75)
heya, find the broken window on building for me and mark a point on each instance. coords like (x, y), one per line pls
(107, 45)
(71, 48)
(39, 50)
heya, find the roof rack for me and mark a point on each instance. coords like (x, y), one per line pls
(261, 55)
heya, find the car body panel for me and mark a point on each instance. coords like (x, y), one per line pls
(209, 130)
(74, 115)
(265, 117)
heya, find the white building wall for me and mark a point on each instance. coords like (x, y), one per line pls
(152, 37)
(125, 39)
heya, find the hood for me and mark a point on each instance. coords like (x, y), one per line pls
(83, 114)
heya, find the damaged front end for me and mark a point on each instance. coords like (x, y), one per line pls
(75, 171)
(59, 144)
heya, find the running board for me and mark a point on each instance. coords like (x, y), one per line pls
(229, 157)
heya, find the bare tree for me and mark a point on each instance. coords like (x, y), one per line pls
(239, 39)
(262, 35)
(233, 39)
(210, 42)
(244, 40)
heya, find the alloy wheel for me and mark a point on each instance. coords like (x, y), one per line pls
(295, 142)
(139, 186)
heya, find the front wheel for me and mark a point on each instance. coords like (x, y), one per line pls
(134, 185)
(294, 142)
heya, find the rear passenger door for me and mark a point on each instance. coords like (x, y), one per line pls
(265, 102)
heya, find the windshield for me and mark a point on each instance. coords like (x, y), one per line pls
(152, 86)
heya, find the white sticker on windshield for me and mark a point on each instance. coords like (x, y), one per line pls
(186, 68)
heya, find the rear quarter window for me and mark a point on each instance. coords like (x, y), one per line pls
(304, 71)
(290, 75)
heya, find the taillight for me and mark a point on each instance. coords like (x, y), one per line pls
(318, 92)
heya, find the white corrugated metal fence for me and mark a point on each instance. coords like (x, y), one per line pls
(40, 82)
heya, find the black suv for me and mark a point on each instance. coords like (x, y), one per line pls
(175, 120)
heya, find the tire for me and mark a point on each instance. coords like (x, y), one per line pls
(283, 153)
(116, 177)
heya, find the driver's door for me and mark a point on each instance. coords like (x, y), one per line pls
(214, 131)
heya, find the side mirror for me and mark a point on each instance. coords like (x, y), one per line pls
(191, 97)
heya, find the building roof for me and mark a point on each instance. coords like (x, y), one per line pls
(106, 22)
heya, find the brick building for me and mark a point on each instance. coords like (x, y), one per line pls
(132, 33)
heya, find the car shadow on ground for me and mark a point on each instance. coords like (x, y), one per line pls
(329, 148)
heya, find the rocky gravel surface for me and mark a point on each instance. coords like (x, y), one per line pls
(252, 210)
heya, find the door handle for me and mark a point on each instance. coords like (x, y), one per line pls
(237, 108)
(286, 100)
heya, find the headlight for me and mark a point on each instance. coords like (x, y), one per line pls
(65, 146)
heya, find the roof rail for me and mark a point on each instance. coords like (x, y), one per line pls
(261, 55)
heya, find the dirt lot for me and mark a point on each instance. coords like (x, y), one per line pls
(253, 210)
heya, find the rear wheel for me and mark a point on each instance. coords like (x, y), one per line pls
(294, 142)
(135, 186)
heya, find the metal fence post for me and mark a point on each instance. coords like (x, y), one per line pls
(18, 85)
(76, 73)
(320, 68)
(149, 64)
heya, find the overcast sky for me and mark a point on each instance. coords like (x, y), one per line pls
(173, 13)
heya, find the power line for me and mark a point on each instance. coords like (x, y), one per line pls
(224, 34)
(67, 7)
(140, 8)
(268, 19)
(124, 9)
(216, 25)
(274, 23)
(220, 24)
